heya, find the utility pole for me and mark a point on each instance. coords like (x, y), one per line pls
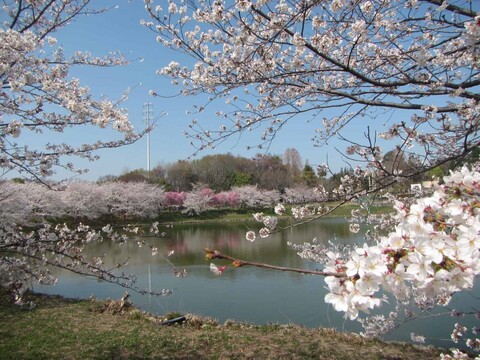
(147, 117)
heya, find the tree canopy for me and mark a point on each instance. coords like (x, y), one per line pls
(411, 65)
(39, 96)
(408, 71)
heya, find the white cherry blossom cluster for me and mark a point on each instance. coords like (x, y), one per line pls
(433, 252)
(39, 95)
(269, 222)
(274, 60)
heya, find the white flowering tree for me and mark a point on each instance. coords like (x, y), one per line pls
(412, 62)
(38, 95)
(406, 69)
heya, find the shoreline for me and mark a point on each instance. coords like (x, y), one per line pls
(61, 328)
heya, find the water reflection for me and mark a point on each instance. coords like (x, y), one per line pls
(245, 294)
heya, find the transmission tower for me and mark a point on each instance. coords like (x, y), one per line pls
(147, 118)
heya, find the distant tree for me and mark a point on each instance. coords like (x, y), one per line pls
(198, 200)
(435, 173)
(242, 179)
(308, 175)
(83, 200)
(293, 161)
(106, 178)
(218, 171)
(138, 175)
(180, 176)
(251, 196)
(394, 162)
(302, 194)
(229, 199)
(271, 173)
(134, 199)
(335, 180)
(470, 158)
(26, 203)
(174, 199)
(157, 175)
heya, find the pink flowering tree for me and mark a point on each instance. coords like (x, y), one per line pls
(174, 199)
(226, 199)
(39, 96)
(407, 70)
(232, 199)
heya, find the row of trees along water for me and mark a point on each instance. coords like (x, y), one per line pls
(82, 200)
(212, 182)
(223, 172)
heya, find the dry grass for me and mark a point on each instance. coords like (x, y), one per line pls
(59, 328)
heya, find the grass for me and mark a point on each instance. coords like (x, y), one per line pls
(224, 216)
(59, 328)
(346, 210)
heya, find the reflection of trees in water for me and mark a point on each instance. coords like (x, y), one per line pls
(324, 230)
(189, 242)
(112, 254)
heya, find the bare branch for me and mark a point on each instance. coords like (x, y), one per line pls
(214, 254)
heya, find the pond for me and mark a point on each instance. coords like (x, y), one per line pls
(246, 294)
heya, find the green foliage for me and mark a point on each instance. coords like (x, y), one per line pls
(138, 175)
(221, 172)
(436, 172)
(180, 177)
(242, 179)
(470, 158)
(308, 176)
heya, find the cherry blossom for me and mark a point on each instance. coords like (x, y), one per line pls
(40, 96)
(297, 60)
(408, 69)
(250, 236)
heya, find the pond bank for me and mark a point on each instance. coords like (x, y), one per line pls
(212, 216)
(60, 328)
(344, 210)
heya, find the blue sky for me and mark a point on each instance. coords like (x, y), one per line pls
(120, 30)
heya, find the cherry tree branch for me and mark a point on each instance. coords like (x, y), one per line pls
(214, 254)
